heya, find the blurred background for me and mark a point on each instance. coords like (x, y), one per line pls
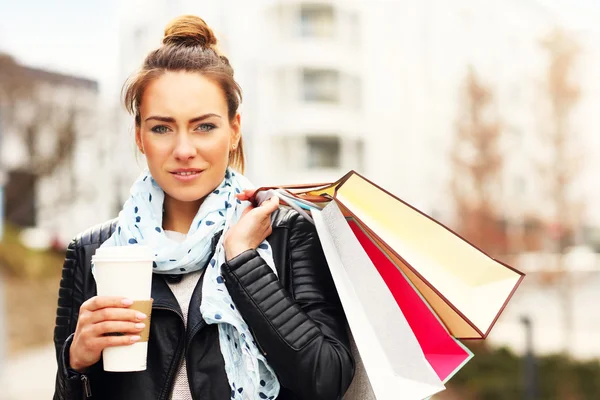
(480, 113)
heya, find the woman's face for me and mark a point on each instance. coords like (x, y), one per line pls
(186, 134)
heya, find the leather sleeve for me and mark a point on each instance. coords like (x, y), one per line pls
(68, 385)
(71, 294)
(303, 334)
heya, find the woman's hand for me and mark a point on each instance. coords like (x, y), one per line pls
(253, 227)
(97, 317)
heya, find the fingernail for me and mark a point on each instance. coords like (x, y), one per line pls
(140, 315)
(134, 338)
(127, 302)
(140, 325)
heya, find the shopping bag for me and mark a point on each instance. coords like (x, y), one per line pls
(465, 287)
(443, 352)
(393, 359)
(360, 388)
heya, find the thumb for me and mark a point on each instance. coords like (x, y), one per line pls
(273, 203)
(270, 205)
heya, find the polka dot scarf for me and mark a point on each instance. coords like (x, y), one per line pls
(140, 221)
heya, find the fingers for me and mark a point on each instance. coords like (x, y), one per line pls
(97, 344)
(242, 197)
(246, 194)
(105, 327)
(99, 316)
(114, 314)
(249, 192)
(264, 211)
(98, 302)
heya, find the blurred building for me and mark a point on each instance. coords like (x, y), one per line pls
(376, 86)
(52, 151)
(372, 86)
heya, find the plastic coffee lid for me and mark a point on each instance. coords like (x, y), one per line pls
(132, 252)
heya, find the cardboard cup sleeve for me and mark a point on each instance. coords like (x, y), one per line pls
(144, 306)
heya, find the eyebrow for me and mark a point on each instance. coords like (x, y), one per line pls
(191, 121)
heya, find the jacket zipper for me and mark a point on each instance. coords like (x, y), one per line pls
(86, 386)
(178, 354)
(264, 353)
(195, 330)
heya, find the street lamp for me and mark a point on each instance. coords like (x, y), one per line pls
(2, 178)
(2, 308)
(530, 367)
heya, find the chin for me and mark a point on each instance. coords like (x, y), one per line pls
(187, 196)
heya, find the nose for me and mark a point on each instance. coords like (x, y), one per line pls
(184, 148)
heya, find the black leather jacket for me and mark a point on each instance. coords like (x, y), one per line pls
(296, 318)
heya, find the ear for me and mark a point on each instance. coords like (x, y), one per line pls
(138, 139)
(236, 131)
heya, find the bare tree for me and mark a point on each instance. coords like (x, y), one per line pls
(46, 127)
(476, 168)
(563, 162)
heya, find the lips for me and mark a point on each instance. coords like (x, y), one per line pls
(186, 174)
(186, 171)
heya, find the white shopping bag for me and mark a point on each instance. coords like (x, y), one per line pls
(361, 388)
(392, 357)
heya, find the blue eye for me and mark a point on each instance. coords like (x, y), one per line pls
(205, 127)
(160, 129)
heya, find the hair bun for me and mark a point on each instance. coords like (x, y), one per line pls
(189, 30)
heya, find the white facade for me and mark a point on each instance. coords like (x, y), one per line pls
(374, 86)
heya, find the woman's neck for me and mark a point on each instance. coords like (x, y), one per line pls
(178, 215)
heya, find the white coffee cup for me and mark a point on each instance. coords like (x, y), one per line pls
(125, 271)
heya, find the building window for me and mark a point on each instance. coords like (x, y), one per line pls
(319, 85)
(520, 185)
(323, 151)
(360, 155)
(139, 36)
(316, 20)
(355, 92)
(20, 198)
(354, 25)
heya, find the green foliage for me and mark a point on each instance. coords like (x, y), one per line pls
(19, 261)
(498, 374)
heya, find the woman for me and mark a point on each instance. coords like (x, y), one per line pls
(244, 305)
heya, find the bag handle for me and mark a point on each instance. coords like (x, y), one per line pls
(301, 197)
(302, 186)
(264, 195)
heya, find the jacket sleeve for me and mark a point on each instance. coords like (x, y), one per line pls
(69, 384)
(303, 334)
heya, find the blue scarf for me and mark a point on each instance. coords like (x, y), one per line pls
(140, 222)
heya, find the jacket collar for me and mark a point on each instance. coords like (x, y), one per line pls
(162, 295)
(164, 298)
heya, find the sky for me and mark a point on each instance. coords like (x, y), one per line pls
(81, 37)
(70, 36)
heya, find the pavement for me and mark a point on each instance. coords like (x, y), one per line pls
(29, 375)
